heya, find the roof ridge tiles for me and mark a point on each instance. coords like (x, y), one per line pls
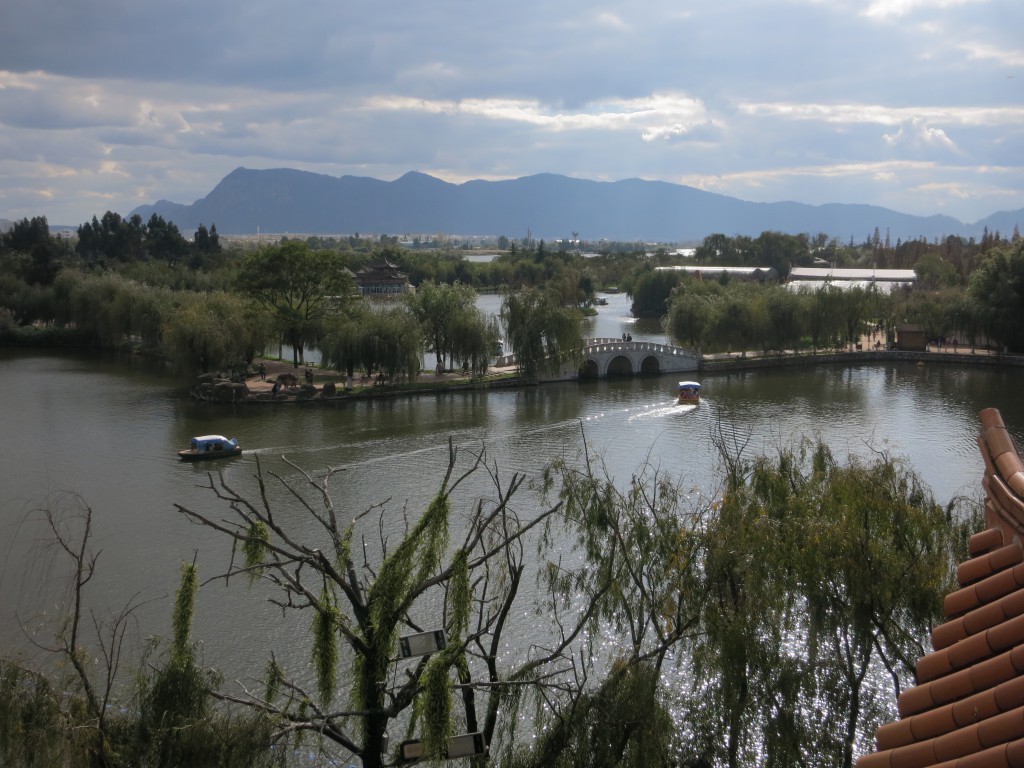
(1000, 636)
(967, 709)
(988, 741)
(931, 723)
(985, 541)
(991, 562)
(983, 591)
(1009, 755)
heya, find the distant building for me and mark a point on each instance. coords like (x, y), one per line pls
(910, 338)
(882, 279)
(382, 278)
(761, 274)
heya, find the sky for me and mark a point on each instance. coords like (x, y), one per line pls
(915, 105)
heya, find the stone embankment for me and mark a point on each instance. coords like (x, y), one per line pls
(282, 383)
(738, 361)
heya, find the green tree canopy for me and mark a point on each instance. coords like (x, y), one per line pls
(387, 339)
(453, 327)
(651, 289)
(997, 287)
(209, 331)
(299, 287)
(824, 577)
(544, 335)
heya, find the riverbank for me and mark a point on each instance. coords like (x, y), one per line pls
(330, 387)
(738, 361)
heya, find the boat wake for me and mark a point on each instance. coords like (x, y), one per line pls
(662, 410)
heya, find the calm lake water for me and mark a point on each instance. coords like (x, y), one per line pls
(106, 430)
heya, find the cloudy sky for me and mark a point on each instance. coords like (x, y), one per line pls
(916, 105)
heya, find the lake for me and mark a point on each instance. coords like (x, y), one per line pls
(106, 430)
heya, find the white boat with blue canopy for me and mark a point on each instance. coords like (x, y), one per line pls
(208, 447)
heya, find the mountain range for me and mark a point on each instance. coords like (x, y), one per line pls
(548, 206)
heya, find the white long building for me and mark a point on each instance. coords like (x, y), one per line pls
(704, 271)
(883, 279)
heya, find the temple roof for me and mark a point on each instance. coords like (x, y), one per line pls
(967, 709)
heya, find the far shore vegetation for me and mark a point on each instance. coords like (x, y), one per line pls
(205, 303)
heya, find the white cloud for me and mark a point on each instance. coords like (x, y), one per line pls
(611, 20)
(768, 176)
(878, 114)
(988, 52)
(656, 116)
(918, 133)
(886, 9)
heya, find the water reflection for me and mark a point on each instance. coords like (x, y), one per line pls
(108, 431)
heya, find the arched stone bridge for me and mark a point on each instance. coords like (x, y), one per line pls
(615, 357)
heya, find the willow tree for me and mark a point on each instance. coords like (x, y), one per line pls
(855, 306)
(607, 564)
(820, 312)
(388, 340)
(207, 331)
(359, 608)
(625, 580)
(691, 312)
(824, 579)
(96, 703)
(452, 326)
(544, 335)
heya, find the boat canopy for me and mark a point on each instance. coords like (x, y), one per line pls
(206, 441)
(689, 385)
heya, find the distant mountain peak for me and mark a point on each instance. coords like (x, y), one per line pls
(548, 205)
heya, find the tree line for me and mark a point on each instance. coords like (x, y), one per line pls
(125, 282)
(222, 316)
(985, 308)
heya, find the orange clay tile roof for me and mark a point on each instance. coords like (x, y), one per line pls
(967, 709)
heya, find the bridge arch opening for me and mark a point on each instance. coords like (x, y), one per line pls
(589, 370)
(650, 366)
(620, 365)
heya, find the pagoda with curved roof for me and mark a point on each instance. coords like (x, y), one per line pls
(382, 278)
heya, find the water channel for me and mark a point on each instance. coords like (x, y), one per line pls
(107, 429)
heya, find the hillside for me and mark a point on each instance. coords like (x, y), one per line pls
(547, 205)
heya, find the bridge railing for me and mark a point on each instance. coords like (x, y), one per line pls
(593, 345)
(618, 345)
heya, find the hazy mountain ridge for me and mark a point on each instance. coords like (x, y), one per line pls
(549, 206)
